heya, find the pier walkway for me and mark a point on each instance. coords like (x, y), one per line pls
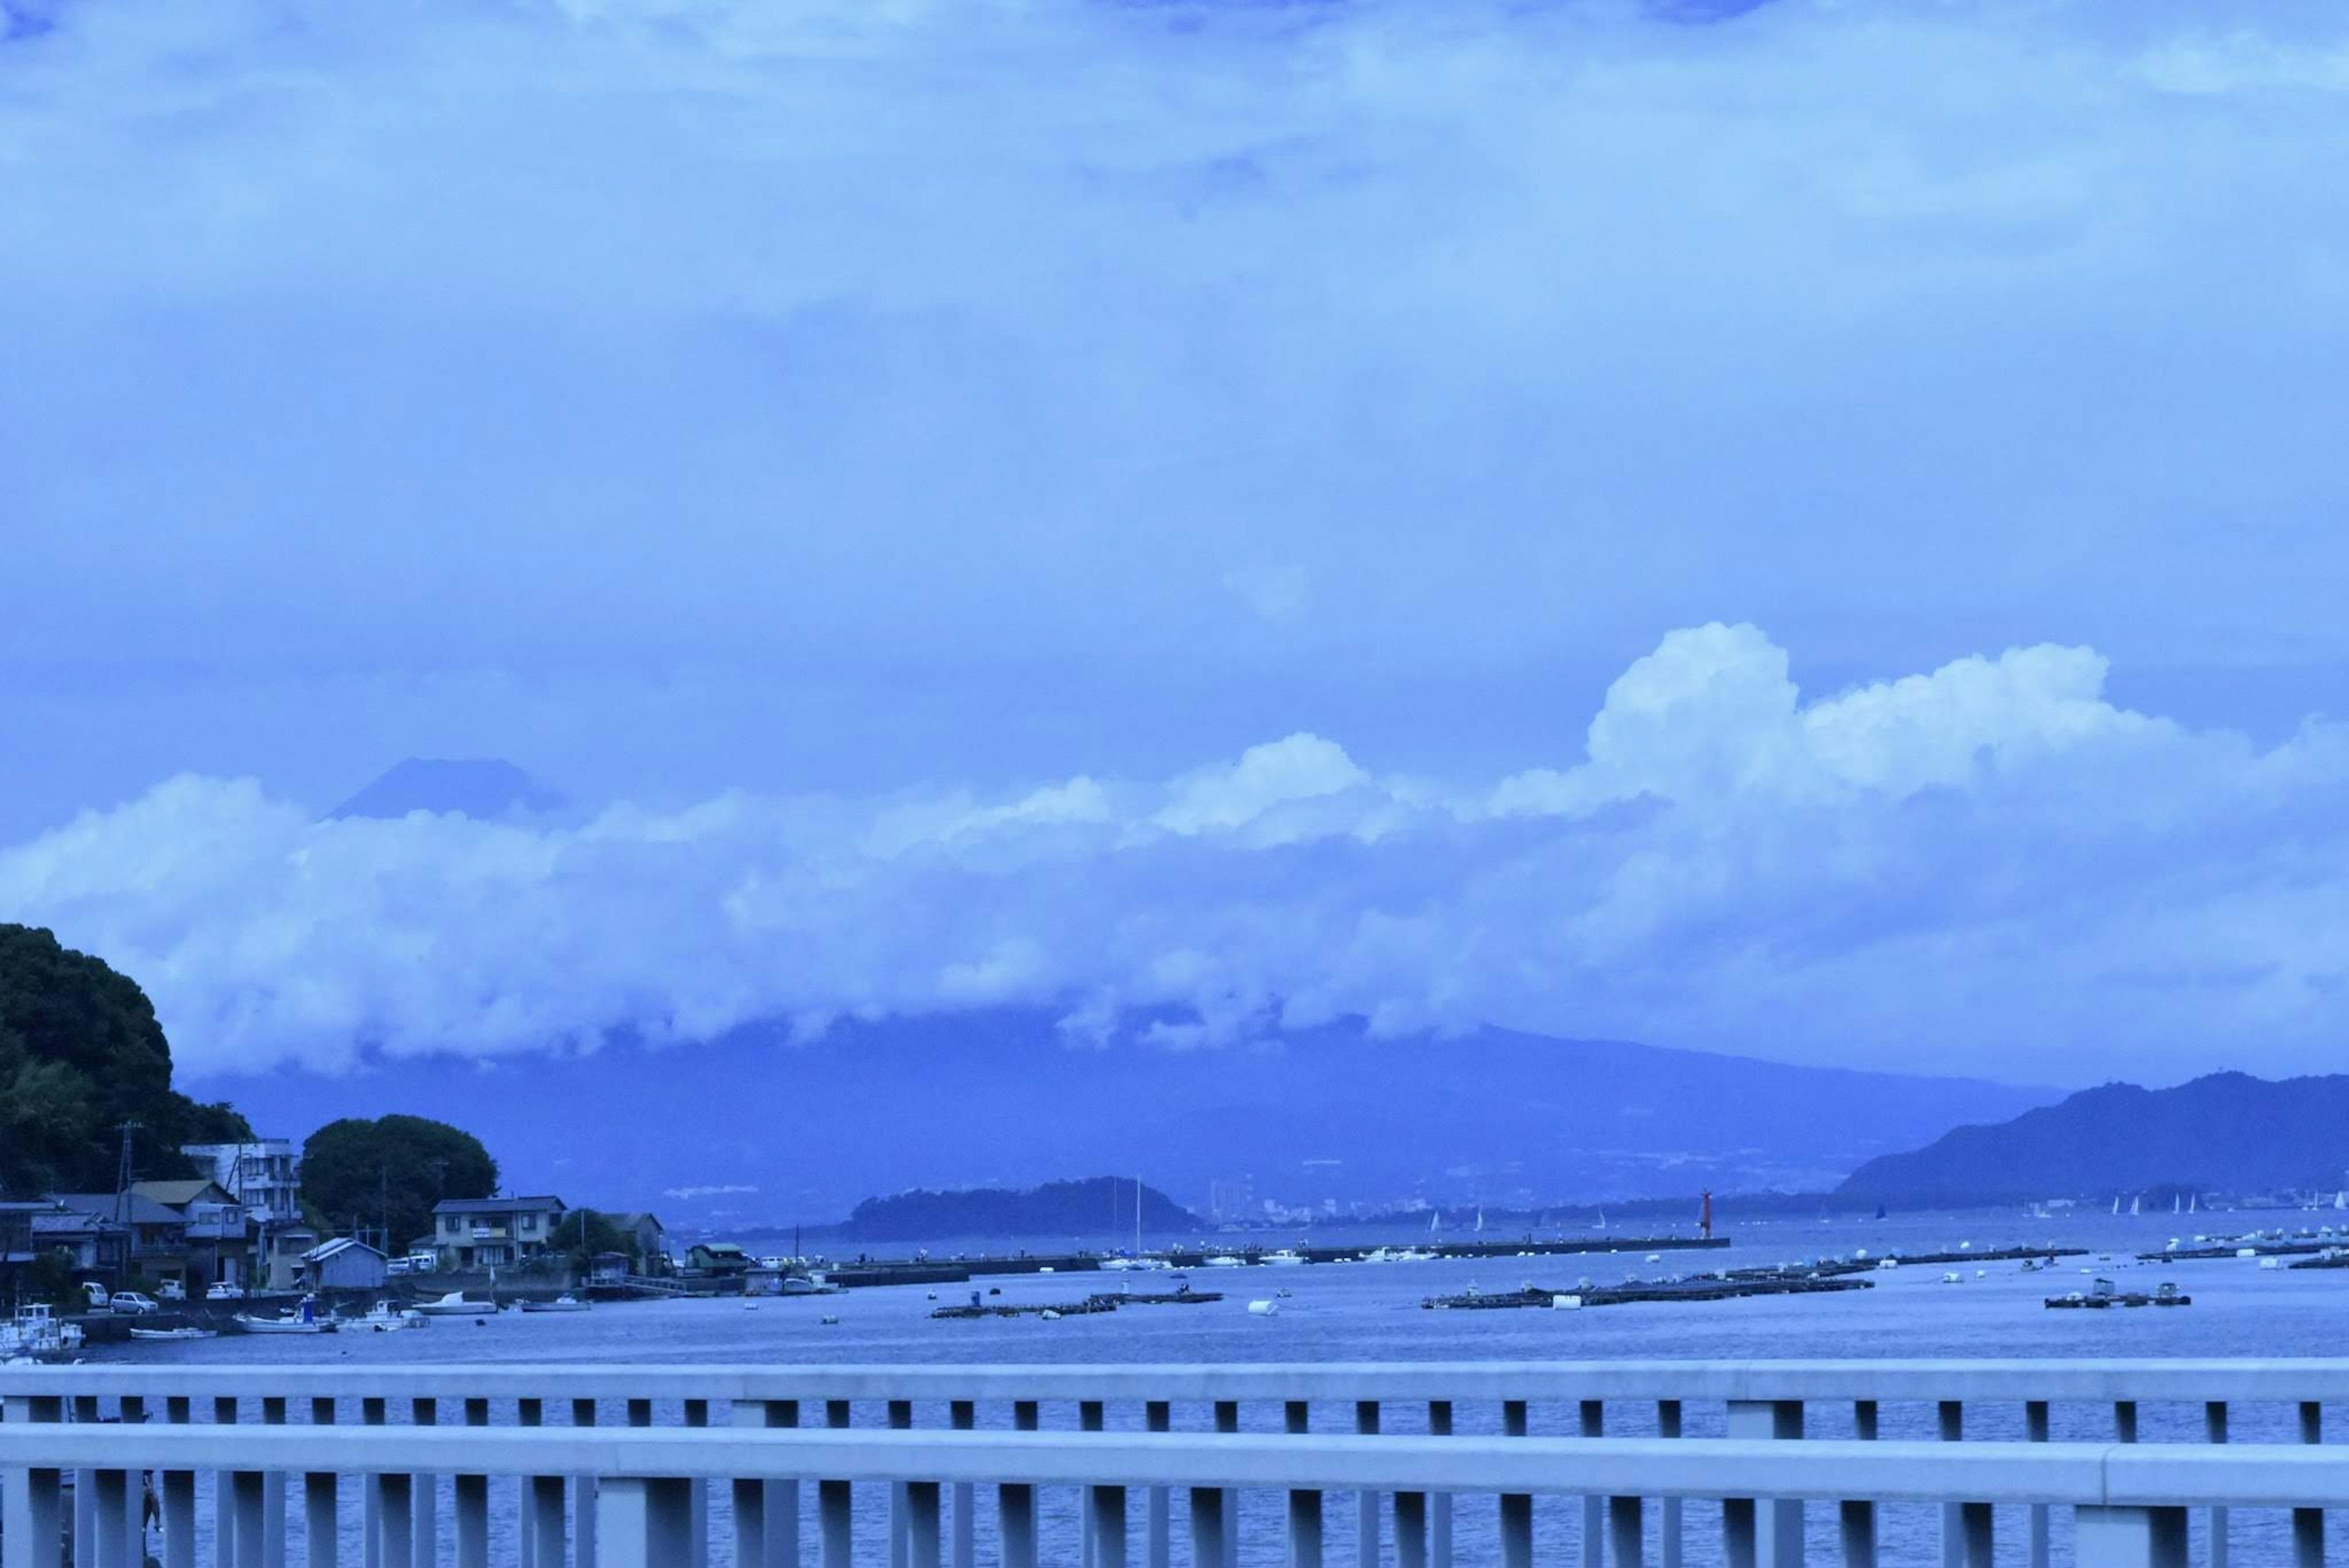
(2105, 1464)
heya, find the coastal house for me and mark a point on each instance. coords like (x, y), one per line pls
(154, 1236)
(89, 1244)
(282, 1254)
(493, 1232)
(17, 1238)
(716, 1258)
(219, 1231)
(647, 1237)
(344, 1264)
(611, 1269)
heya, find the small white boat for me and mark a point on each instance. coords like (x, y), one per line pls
(385, 1318)
(252, 1325)
(1287, 1258)
(175, 1334)
(1223, 1260)
(565, 1303)
(1263, 1308)
(454, 1304)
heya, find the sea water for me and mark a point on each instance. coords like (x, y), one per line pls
(1364, 1312)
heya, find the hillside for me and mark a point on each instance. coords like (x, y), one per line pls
(784, 1132)
(80, 1055)
(1056, 1209)
(2228, 1132)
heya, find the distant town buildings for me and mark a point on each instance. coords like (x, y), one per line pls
(264, 1176)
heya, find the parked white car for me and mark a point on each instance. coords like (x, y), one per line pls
(171, 1291)
(93, 1295)
(222, 1291)
(129, 1304)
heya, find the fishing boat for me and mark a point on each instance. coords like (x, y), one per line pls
(385, 1318)
(454, 1304)
(1288, 1257)
(35, 1335)
(188, 1333)
(286, 1324)
(565, 1303)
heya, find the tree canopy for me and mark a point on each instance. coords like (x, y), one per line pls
(80, 1053)
(391, 1171)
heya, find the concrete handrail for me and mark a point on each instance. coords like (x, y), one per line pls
(2068, 1474)
(1891, 1381)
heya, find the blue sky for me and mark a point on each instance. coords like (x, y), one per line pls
(1814, 531)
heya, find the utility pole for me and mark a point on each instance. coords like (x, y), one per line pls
(122, 1197)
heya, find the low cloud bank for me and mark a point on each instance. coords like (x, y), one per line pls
(1986, 867)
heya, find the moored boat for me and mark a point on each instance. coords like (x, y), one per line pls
(454, 1304)
(565, 1303)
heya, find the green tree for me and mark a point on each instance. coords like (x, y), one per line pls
(80, 1053)
(584, 1232)
(392, 1170)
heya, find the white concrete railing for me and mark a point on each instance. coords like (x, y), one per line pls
(722, 1452)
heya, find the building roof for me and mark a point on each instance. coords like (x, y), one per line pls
(637, 1221)
(180, 1194)
(495, 1205)
(335, 1248)
(136, 1207)
(720, 1248)
(71, 1222)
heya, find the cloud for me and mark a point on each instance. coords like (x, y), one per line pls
(687, 1194)
(1988, 866)
(784, 384)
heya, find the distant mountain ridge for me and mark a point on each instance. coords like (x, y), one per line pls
(788, 1133)
(2229, 1132)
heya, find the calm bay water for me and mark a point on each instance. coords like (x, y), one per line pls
(1372, 1313)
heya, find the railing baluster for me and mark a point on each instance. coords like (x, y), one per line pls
(470, 1498)
(178, 1501)
(1594, 1507)
(110, 1497)
(1015, 1504)
(900, 1419)
(583, 1413)
(2129, 1538)
(1304, 1507)
(425, 1490)
(1439, 1505)
(1858, 1515)
(85, 1509)
(962, 1415)
(2308, 1523)
(1516, 1508)
(527, 1413)
(322, 1523)
(2036, 1429)
(1158, 1529)
(1774, 1531)
(1228, 1420)
(697, 1528)
(767, 1513)
(1951, 1418)
(2214, 1429)
(1089, 1419)
(1366, 1503)
(32, 1520)
(1668, 1512)
(225, 1519)
(134, 1500)
(643, 1523)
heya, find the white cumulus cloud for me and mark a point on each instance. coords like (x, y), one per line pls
(1989, 866)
